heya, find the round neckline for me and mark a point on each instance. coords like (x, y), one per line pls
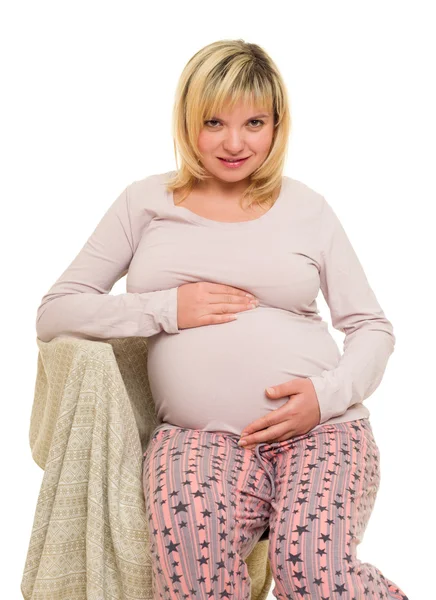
(195, 218)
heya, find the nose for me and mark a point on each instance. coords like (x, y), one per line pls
(234, 143)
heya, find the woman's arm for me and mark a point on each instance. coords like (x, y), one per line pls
(369, 339)
(79, 303)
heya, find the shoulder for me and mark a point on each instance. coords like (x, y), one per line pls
(306, 200)
(147, 192)
(153, 184)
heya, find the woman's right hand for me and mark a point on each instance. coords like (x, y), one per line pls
(206, 303)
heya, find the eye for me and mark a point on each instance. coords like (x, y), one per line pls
(252, 121)
(258, 121)
(211, 121)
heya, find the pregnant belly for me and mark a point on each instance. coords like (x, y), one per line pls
(214, 377)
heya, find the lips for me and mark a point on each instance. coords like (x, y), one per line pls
(232, 159)
(233, 164)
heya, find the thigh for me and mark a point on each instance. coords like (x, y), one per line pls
(207, 504)
(326, 484)
(334, 469)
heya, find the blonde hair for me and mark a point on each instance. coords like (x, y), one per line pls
(224, 72)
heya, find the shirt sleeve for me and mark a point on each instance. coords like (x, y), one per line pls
(369, 338)
(79, 303)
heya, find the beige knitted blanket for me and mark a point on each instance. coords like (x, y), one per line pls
(91, 422)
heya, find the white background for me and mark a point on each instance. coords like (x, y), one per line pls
(87, 93)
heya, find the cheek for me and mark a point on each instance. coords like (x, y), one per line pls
(205, 142)
(263, 143)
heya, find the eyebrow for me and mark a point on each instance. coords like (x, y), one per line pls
(250, 119)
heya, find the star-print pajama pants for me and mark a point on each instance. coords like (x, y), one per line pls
(208, 501)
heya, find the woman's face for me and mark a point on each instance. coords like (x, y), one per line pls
(246, 132)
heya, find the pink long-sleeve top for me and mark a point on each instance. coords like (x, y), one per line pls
(213, 377)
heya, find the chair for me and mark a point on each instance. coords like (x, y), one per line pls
(91, 421)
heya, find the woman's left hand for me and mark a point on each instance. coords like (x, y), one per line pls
(297, 416)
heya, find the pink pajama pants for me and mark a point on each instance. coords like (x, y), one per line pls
(208, 502)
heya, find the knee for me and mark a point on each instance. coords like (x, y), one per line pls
(298, 572)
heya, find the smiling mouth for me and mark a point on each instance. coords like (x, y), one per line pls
(233, 159)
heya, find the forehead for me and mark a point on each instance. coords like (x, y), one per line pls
(241, 109)
(243, 103)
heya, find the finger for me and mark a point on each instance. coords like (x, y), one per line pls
(266, 435)
(262, 423)
(275, 417)
(229, 294)
(223, 288)
(226, 308)
(287, 436)
(294, 386)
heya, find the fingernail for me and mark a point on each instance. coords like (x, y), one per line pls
(270, 390)
(242, 443)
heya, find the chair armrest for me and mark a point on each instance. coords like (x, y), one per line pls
(89, 537)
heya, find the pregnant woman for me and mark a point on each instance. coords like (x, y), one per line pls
(224, 260)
